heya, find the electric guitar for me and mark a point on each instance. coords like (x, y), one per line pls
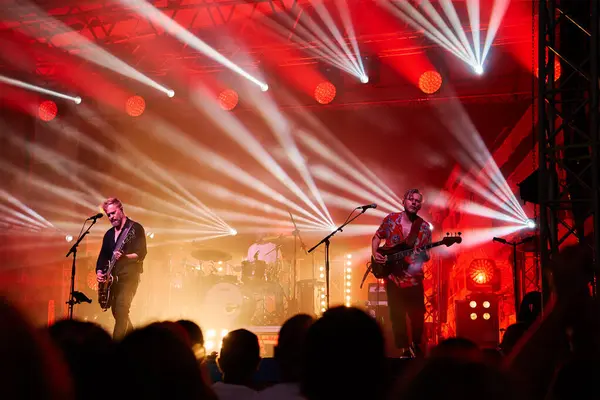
(396, 256)
(104, 287)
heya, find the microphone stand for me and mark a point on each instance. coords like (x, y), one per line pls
(326, 241)
(72, 297)
(516, 280)
(296, 232)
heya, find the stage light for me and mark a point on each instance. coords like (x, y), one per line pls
(232, 232)
(348, 256)
(150, 235)
(478, 325)
(264, 87)
(170, 93)
(481, 271)
(430, 82)
(473, 304)
(209, 344)
(69, 238)
(228, 99)
(530, 223)
(478, 70)
(364, 79)
(224, 333)
(135, 106)
(77, 100)
(325, 92)
(211, 333)
(47, 110)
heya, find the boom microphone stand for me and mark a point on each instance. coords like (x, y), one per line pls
(78, 297)
(326, 241)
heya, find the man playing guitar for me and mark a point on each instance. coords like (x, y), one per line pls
(128, 266)
(404, 284)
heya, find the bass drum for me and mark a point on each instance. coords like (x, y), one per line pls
(225, 302)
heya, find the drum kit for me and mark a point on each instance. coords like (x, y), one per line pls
(253, 292)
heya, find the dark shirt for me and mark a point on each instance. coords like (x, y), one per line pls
(124, 266)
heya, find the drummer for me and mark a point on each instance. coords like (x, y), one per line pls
(263, 250)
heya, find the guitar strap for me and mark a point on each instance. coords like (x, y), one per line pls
(123, 235)
(414, 232)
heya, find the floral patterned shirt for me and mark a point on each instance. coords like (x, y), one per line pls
(391, 231)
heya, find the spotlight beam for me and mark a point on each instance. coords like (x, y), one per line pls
(342, 6)
(406, 12)
(17, 216)
(450, 12)
(204, 155)
(55, 162)
(147, 10)
(482, 211)
(478, 188)
(90, 51)
(441, 24)
(38, 89)
(331, 26)
(110, 133)
(366, 176)
(225, 194)
(236, 131)
(351, 171)
(334, 179)
(71, 196)
(283, 131)
(498, 12)
(474, 18)
(9, 198)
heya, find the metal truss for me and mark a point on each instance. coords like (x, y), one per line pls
(568, 126)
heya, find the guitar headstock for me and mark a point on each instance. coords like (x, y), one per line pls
(451, 239)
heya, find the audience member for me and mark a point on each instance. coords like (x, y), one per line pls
(238, 361)
(288, 355)
(30, 366)
(88, 350)
(344, 357)
(156, 362)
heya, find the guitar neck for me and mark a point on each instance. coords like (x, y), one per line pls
(408, 252)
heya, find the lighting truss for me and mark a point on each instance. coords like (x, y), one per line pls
(568, 139)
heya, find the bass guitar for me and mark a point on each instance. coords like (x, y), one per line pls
(396, 255)
(104, 287)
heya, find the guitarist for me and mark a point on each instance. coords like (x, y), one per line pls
(128, 267)
(404, 285)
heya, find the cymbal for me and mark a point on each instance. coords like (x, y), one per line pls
(278, 237)
(211, 255)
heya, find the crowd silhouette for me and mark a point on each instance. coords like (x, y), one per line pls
(552, 352)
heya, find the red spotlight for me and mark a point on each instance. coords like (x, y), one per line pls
(228, 99)
(481, 271)
(325, 92)
(430, 82)
(135, 106)
(47, 110)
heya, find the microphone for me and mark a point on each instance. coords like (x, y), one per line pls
(499, 240)
(367, 206)
(95, 217)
